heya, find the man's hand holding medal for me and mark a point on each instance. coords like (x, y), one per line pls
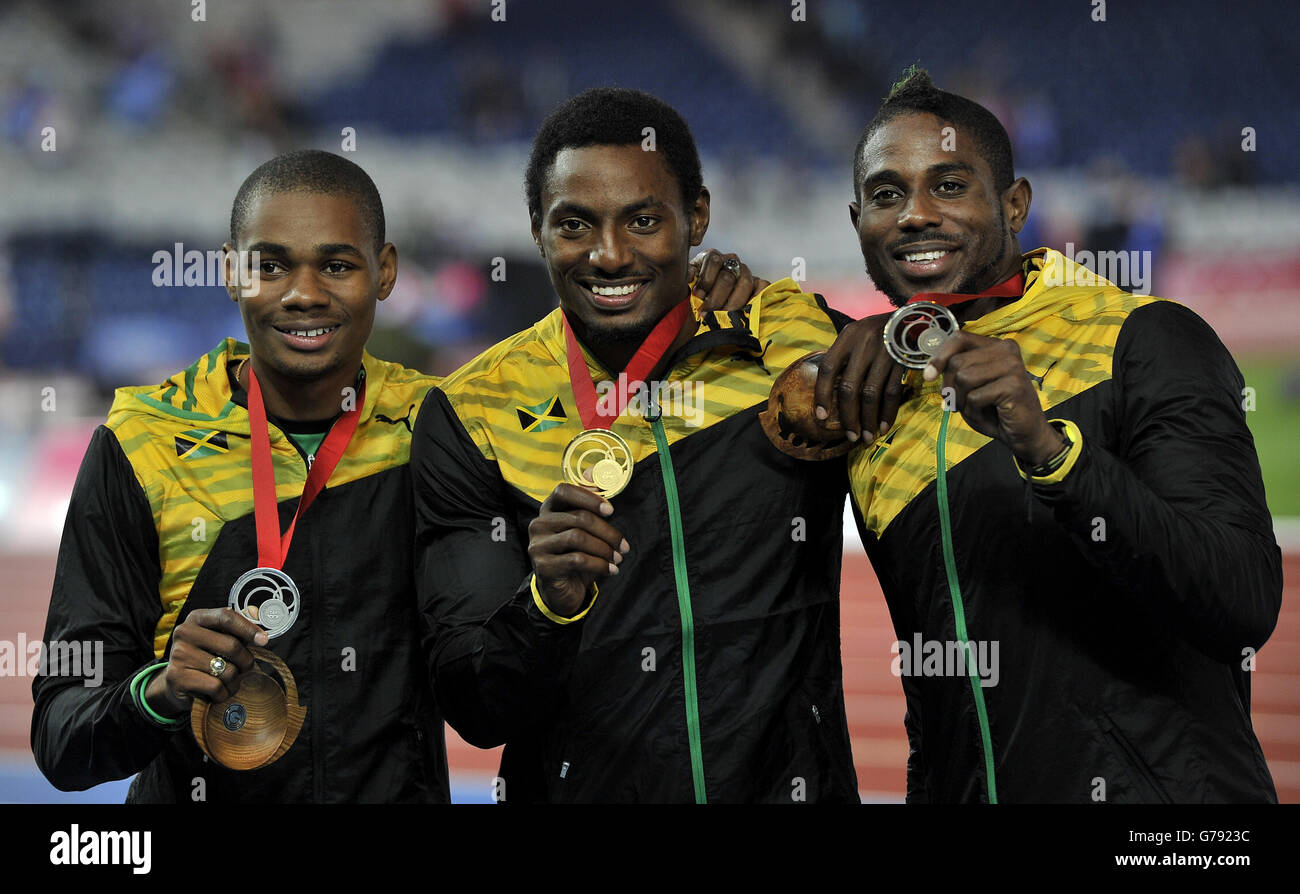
(209, 656)
(571, 543)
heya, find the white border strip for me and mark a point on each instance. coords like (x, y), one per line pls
(1286, 528)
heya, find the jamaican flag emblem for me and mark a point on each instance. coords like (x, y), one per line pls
(198, 443)
(548, 414)
(879, 447)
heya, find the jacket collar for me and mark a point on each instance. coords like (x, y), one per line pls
(737, 328)
(202, 392)
(1053, 282)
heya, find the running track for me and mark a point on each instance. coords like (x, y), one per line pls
(874, 699)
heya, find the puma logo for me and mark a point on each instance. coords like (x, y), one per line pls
(405, 420)
(756, 358)
(1039, 379)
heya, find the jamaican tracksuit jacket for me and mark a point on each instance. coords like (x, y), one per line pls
(1114, 607)
(708, 669)
(161, 523)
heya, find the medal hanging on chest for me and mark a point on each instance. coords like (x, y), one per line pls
(913, 334)
(597, 457)
(266, 595)
(260, 722)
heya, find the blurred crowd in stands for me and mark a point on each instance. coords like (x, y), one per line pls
(1124, 104)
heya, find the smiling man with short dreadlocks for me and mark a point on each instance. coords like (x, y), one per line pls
(1069, 490)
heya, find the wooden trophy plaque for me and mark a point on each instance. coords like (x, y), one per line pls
(790, 422)
(259, 724)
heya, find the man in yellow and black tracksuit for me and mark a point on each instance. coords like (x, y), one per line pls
(1068, 517)
(677, 640)
(161, 524)
(1126, 592)
(709, 668)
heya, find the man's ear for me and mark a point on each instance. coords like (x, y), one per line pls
(535, 221)
(230, 266)
(700, 216)
(387, 270)
(1015, 204)
(855, 211)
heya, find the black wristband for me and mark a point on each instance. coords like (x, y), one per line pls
(1047, 468)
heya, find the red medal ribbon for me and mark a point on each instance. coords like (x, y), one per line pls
(1009, 288)
(271, 547)
(643, 362)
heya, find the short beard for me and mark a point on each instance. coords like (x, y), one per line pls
(970, 285)
(604, 336)
(896, 298)
(978, 281)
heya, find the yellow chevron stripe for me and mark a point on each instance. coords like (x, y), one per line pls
(1087, 319)
(218, 489)
(529, 367)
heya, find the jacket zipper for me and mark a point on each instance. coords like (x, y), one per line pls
(318, 760)
(684, 608)
(1128, 754)
(316, 763)
(307, 458)
(959, 611)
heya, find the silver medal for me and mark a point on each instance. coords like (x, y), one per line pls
(915, 332)
(268, 597)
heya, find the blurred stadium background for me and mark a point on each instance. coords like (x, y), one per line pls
(1130, 129)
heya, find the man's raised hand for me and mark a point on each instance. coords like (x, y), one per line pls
(858, 379)
(994, 394)
(722, 286)
(571, 545)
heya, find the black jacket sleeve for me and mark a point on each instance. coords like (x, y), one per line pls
(1184, 527)
(839, 319)
(85, 728)
(918, 791)
(494, 657)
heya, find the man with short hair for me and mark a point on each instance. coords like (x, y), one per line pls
(168, 513)
(674, 636)
(1070, 496)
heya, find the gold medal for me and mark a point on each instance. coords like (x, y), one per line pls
(599, 459)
